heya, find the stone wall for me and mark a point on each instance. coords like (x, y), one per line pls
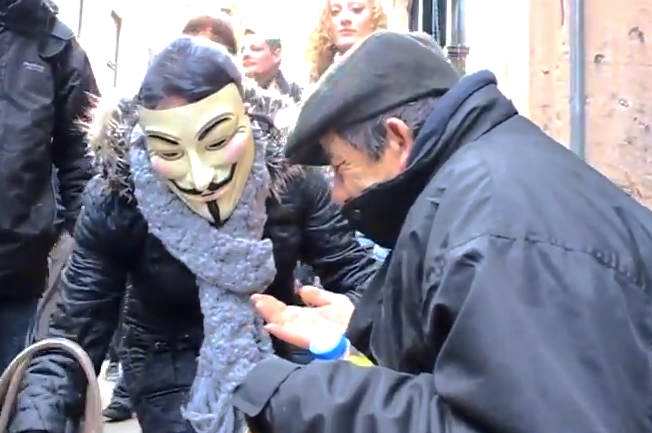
(619, 85)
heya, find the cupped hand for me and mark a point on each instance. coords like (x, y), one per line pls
(334, 307)
(295, 325)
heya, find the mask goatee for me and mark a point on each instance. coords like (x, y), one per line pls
(214, 210)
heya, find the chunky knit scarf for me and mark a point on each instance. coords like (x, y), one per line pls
(230, 263)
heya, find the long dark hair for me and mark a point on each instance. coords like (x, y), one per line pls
(191, 68)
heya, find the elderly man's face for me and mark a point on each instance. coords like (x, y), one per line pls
(355, 170)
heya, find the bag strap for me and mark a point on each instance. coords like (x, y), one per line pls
(13, 375)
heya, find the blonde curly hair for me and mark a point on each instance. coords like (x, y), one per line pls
(321, 49)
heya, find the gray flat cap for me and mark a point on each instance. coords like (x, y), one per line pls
(384, 71)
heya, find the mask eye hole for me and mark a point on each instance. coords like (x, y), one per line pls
(170, 156)
(217, 145)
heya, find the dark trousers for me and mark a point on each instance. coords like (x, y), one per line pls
(120, 393)
(16, 319)
(115, 344)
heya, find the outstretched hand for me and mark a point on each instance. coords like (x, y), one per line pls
(295, 325)
(331, 306)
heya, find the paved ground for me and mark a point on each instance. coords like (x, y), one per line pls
(122, 427)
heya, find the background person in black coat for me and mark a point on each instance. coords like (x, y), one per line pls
(47, 82)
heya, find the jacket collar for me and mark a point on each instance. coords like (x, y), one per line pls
(463, 114)
(278, 80)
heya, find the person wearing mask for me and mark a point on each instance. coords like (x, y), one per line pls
(47, 81)
(261, 60)
(218, 29)
(516, 296)
(196, 207)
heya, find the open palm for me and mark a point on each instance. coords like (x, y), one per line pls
(334, 307)
(295, 325)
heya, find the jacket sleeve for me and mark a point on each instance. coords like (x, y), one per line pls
(75, 89)
(330, 245)
(505, 358)
(93, 284)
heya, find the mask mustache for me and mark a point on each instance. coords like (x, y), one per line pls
(212, 187)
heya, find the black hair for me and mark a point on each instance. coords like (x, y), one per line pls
(191, 68)
(370, 135)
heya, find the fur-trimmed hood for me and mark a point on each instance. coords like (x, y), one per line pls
(113, 130)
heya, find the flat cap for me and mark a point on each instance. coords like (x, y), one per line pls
(384, 71)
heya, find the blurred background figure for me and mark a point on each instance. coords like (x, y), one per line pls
(271, 101)
(261, 60)
(230, 9)
(342, 23)
(216, 28)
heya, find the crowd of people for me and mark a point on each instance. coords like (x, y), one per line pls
(224, 219)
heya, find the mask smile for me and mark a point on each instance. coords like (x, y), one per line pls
(213, 190)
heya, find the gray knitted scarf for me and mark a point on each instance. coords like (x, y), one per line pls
(230, 264)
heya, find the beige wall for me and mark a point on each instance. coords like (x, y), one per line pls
(497, 34)
(397, 13)
(98, 39)
(525, 43)
(619, 85)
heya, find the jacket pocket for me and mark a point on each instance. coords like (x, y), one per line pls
(154, 369)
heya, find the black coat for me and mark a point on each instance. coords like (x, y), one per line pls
(517, 298)
(46, 80)
(162, 317)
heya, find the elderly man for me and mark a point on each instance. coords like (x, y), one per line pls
(517, 295)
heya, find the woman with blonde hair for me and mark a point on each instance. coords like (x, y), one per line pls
(342, 23)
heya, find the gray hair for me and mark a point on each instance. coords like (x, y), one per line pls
(370, 136)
